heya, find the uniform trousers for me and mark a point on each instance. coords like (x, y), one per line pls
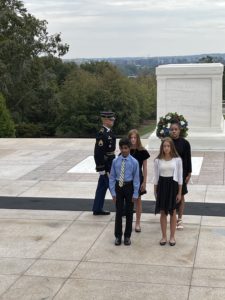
(103, 185)
(124, 195)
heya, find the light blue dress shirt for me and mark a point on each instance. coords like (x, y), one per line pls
(131, 173)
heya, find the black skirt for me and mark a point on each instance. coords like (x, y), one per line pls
(167, 191)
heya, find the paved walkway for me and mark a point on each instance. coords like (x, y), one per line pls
(39, 168)
(47, 254)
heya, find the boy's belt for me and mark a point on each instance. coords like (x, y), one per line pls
(126, 182)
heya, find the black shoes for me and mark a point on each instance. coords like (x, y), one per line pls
(127, 241)
(118, 241)
(103, 213)
(172, 243)
(162, 243)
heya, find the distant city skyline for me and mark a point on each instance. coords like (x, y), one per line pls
(135, 28)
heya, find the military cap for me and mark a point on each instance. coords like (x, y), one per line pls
(107, 114)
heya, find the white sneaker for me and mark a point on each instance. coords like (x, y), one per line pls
(180, 225)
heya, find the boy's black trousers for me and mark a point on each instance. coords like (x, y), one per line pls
(124, 194)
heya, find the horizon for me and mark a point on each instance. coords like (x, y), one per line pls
(147, 57)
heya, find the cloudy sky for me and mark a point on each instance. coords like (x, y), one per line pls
(119, 28)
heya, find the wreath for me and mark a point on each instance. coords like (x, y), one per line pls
(163, 126)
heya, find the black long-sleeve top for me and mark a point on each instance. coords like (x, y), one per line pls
(184, 150)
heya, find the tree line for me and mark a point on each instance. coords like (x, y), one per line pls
(42, 96)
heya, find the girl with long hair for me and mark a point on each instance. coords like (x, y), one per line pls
(168, 182)
(141, 155)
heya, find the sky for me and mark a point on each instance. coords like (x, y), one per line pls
(132, 28)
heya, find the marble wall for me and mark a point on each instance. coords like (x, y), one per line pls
(194, 90)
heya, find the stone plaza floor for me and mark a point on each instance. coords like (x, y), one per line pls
(59, 254)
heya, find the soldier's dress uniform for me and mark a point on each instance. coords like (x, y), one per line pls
(104, 153)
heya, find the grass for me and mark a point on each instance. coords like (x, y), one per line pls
(146, 129)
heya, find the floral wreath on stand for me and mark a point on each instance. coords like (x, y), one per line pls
(163, 126)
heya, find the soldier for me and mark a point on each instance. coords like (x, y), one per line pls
(104, 154)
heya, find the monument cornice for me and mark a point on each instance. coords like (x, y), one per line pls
(187, 69)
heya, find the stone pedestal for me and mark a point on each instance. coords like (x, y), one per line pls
(195, 91)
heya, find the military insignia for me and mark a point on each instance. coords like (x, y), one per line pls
(109, 138)
(100, 143)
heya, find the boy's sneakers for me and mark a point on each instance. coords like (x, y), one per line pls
(180, 225)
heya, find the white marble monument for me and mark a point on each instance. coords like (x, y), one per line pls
(195, 91)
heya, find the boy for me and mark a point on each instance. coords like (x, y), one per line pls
(124, 183)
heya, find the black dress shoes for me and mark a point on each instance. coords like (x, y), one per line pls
(102, 212)
(127, 241)
(118, 241)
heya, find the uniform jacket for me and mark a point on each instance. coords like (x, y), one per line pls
(105, 146)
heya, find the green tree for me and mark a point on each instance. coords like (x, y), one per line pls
(146, 88)
(114, 92)
(48, 75)
(7, 128)
(77, 117)
(206, 59)
(23, 38)
(100, 86)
